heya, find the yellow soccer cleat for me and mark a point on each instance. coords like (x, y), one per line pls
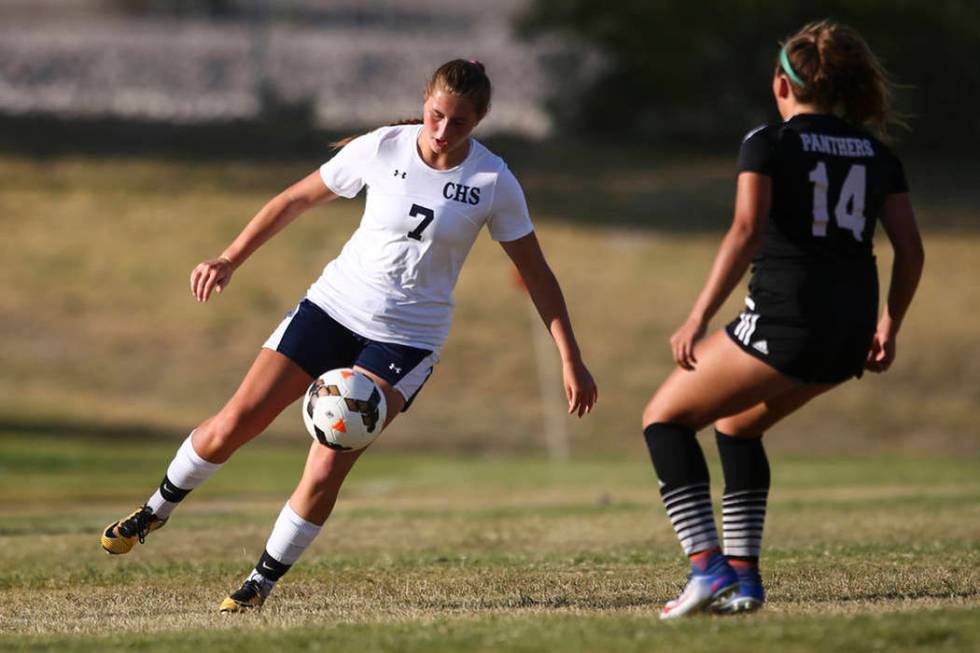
(121, 536)
(249, 597)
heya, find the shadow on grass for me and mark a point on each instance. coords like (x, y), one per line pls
(524, 600)
(896, 595)
(85, 430)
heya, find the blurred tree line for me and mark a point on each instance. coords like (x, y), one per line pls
(675, 72)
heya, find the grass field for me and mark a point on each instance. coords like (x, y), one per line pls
(454, 533)
(429, 553)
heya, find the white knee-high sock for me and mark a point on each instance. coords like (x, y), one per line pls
(290, 537)
(186, 472)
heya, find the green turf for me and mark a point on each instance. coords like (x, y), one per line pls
(936, 630)
(433, 552)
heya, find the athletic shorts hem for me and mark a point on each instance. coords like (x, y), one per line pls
(758, 355)
(316, 342)
(401, 390)
(817, 380)
(409, 385)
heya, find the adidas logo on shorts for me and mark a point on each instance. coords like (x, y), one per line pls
(761, 346)
(746, 326)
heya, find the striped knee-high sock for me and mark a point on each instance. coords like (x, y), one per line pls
(746, 495)
(684, 484)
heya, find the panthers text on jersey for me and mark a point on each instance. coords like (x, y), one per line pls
(829, 182)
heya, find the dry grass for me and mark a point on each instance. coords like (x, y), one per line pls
(94, 303)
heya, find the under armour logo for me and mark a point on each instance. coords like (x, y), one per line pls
(398, 370)
(399, 173)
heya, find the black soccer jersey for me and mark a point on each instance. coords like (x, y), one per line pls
(829, 182)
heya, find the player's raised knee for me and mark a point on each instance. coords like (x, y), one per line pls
(224, 433)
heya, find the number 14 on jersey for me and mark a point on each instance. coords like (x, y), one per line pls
(849, 212)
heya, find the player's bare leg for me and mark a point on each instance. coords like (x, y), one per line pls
(272, 383)
(326, 468)
(746, 495)
(756, 420)
(725, 380)
(305, 513)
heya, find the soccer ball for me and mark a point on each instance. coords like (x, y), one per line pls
(344, 410)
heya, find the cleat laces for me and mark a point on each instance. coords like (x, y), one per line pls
(248, 590)
(138, 524)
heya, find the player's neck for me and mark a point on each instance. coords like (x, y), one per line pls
(443, 160)
(793, 109)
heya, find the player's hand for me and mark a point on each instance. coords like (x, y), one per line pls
(683, 341)
(213, 275)
(882, 352)
(580, 388)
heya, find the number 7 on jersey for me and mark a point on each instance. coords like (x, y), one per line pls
(427, 215)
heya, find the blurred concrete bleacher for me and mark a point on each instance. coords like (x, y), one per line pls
(337, 65)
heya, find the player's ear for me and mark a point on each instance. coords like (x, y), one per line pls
(780, 86)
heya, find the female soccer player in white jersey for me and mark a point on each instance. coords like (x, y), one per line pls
(809, 191)
(383, 306)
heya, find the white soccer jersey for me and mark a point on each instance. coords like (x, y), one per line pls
(394, 278)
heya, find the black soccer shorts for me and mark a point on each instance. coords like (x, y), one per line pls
(815, 325)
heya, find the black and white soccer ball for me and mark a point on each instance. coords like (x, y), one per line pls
(344, 409)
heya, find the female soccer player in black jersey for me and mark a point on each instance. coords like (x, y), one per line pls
(809, 193)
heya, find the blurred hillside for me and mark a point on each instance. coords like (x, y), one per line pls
(99, 334)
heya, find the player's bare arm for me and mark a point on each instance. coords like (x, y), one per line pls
(215, 274)
(580, 388)
(752, 201)
(898, 219)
